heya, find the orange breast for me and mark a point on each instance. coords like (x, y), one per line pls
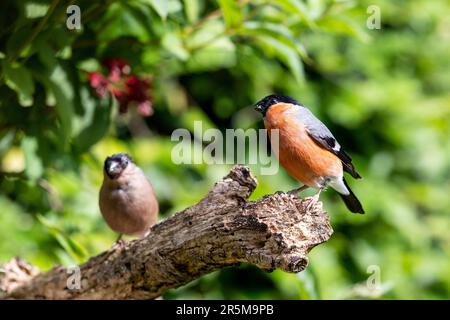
(304, 159)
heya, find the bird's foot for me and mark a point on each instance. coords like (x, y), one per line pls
(118, 244)
(145, 234)
(313, 200)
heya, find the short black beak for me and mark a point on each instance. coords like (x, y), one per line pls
(258, 107)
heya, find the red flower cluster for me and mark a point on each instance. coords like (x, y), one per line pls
(126, 88)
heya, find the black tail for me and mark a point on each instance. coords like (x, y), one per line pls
(351, 201)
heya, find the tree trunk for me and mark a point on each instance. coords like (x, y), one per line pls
(223, 229)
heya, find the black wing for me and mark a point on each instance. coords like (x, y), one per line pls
(324, 138)
(333, 146)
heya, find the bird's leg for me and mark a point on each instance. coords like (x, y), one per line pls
(316, 196)
(296, 191)
(119, 242)
(314, 199)
(145, 234)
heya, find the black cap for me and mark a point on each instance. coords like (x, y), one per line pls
(264, 104)
(116, 163)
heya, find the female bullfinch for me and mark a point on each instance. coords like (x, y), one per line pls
(127, 201)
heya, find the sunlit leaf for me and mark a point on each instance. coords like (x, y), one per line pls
(6, 141)
(286, 54)
(340, 25)
(19, 78)
(34, 167)
(160, 6)
(175, 6)
(274, 30)
(35, 10)
(231, 12)
(219, 54)
(173, 43)
(73, 248)
(210, 32)
(192, 10)
(298, 8)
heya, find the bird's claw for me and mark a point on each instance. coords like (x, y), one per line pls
(312, 201)
(120, 243)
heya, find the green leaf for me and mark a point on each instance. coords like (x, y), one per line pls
(219, 54)
(174, 6)
(35, 10)
(46, 55)
(16, 40)
(160, 6)
(34, 168)
(60, 90)
(125, 20)
(343, 26)
(206, 35)
(95, 131)
(141, 16)
(298, 8)
(19, 78)
(275, 30)
(73, 248)
(59, 37)
(6, 141)
(172, 43)
(231, 13)
(95, 123)
(192, 10)
(63, 92)
(286, 54)
(89, 65)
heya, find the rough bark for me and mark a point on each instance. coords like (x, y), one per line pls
(223, 229)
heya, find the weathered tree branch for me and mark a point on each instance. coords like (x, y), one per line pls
(223, 229)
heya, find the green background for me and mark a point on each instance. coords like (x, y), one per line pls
(384, 93)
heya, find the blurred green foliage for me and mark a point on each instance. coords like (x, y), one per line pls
(383, 92)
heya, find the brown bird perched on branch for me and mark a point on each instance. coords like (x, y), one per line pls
(307, 149)
(127, 201)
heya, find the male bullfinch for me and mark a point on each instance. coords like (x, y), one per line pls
(127, 201)
(307, 149)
